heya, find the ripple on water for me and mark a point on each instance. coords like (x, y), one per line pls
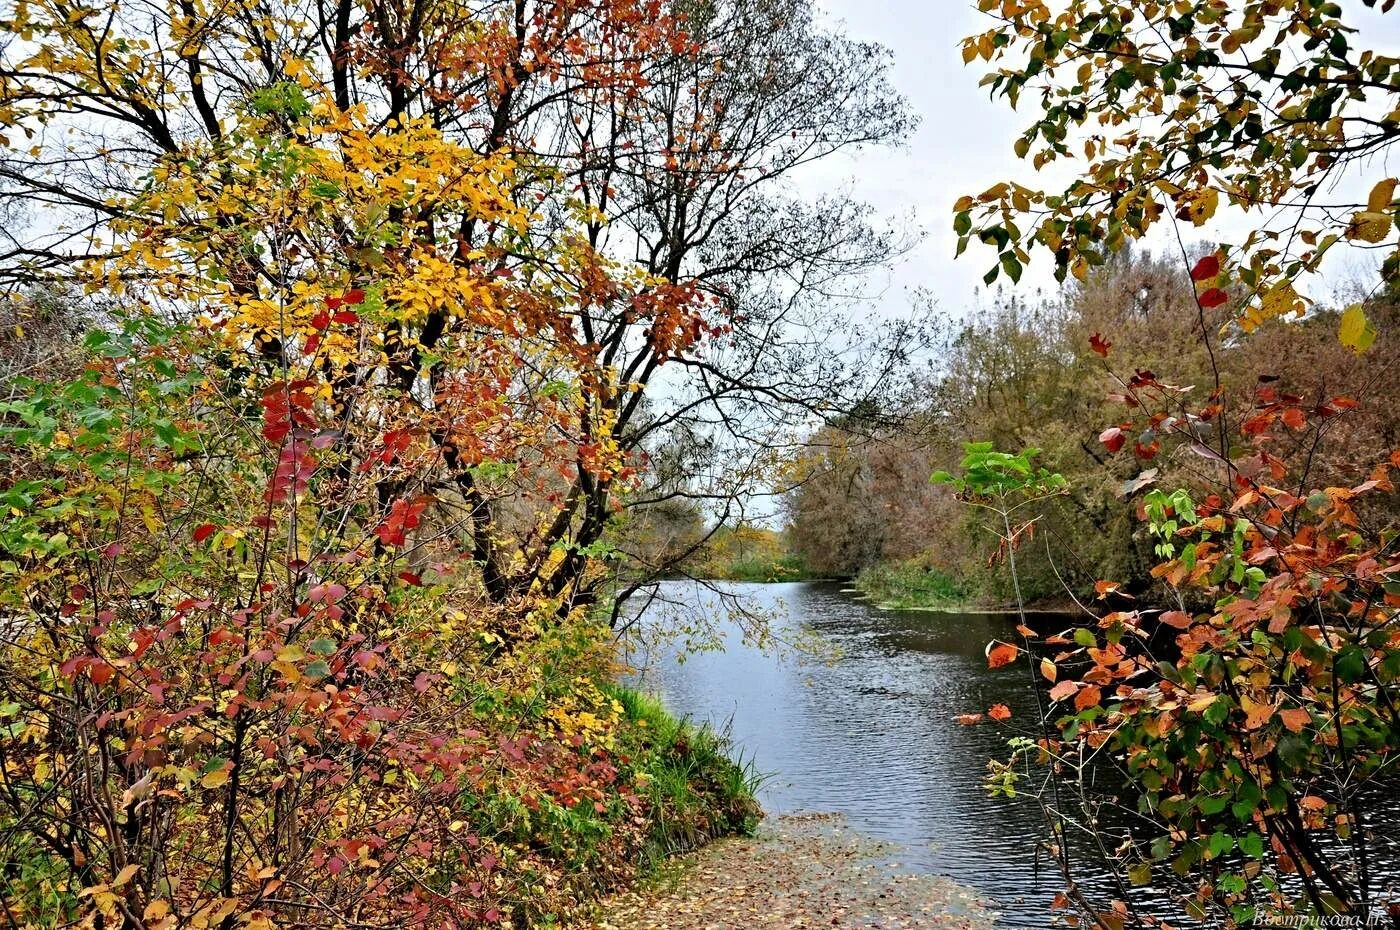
(872, 736)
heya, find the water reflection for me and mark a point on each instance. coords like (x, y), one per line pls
(872, 735)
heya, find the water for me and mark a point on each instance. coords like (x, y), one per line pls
(873, 735)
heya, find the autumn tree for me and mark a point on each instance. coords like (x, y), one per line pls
(318, 508)
(1256, 746)
(659, 141)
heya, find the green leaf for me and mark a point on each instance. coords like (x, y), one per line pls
(1350, 664)
(1252, 845)
(1012, 267)
(1355, 331)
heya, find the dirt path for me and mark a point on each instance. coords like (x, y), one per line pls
(799, 872)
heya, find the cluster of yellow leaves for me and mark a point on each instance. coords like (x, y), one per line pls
(586, 712)
(1153, 93)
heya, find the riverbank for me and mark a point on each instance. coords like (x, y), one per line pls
(907, 586)
(798, 872)
(910, 586)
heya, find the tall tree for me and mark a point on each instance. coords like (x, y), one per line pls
(670, 130)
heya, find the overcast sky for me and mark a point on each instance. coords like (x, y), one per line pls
(963, 145)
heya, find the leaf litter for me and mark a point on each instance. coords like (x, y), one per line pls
(801, 871)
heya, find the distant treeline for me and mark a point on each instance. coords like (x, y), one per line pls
(1025, 374)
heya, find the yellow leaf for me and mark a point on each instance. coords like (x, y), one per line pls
(1369, 226)
(1355, 331)
(126, 875)
(1200, 703)
(1202, 204)
(1281, 299)
(1381, 195)
(216, 778)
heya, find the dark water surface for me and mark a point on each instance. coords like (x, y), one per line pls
(872, 735)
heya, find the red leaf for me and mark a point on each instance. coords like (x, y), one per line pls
(1113, 438)
(999, 712)
(1213, 298)
(346, 317)
(1100, 345)
(403, 516)
(203, 532)
(351, 298)
(1206, 268)
(101, 672)
(1147, 452)
(1295, 418)
(999, 654)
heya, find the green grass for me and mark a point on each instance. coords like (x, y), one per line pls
(911, 586)
(783, 568)
(695, 789)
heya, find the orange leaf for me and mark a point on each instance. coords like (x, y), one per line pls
(1104, 588)
(1177, 619)
(999, 654)
(968, 719)
(1295, 718)
(1256, 714)
(999, 712)
(1048, 670)
(1063, 690)
(1087, 697)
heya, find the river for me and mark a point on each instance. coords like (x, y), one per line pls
(872, 734)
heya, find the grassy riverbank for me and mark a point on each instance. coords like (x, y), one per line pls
(691, 790)
(748, 553)
(910, 586)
